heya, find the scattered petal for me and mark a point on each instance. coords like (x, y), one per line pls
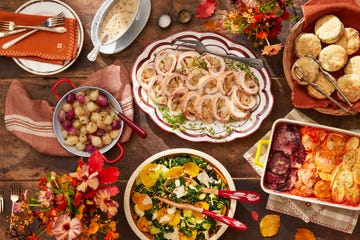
(254, 215)
(272, 49)
(206, 8)
(211, 26)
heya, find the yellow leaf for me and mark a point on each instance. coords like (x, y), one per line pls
(269, 225)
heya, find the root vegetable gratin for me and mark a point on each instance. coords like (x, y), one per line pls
(313, 162)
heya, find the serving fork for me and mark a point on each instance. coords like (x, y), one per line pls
(50, 22)
(187, 44)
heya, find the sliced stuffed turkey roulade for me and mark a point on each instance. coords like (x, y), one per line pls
(219, 108)
(226, 82)
(192, 79)
(145, 73)
(244, 100)
(208, 84)
(203, 108)
(188, 105)
(215, 64)
(165, 61)
(154, 90)
(174, 103)
(237, 113)
(171, 82)
(249, 85)
(187, 61)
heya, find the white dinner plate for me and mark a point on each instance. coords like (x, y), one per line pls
(49, 8)
(131, 34)
(198, 131)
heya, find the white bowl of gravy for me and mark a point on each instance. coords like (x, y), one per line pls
(114, 18)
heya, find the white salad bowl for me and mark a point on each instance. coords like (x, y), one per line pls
(219, 168)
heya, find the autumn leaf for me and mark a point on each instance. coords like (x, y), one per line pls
(211, 26)
(206, 8)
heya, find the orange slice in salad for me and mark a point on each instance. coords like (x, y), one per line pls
(149, 174)
(191, 169)
(203, 205)
(174, 172)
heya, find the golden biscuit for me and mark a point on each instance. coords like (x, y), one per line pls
(307, 44)
(349, 84)
(333, 57)
(353, 66)
(324, 84)
(350, 40)
(308, 66)
(329, 29)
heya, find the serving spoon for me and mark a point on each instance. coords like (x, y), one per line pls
(240, 195)
(141, 132)
(221, 218)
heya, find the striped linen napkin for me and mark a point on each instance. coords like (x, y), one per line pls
(31, 119)
(335, 218)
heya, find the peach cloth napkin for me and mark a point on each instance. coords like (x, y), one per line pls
(348, 12)
(343, 220)
(41, 46)
(31, 119)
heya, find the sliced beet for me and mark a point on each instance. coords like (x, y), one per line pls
(287, 137)
(279, 163)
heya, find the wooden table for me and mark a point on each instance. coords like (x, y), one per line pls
(22, 164)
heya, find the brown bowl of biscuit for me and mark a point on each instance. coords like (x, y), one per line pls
(321, 63)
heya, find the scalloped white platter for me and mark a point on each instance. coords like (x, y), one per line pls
(198, 131)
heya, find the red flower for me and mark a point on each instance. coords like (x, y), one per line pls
(286, 15)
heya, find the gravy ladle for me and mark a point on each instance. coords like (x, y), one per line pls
(93, 54)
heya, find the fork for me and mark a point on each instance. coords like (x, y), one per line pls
(50, 22)
(11, 26)
(1, 204)
(14, 197)
(201, 48)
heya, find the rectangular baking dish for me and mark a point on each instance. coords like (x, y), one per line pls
(320, 176)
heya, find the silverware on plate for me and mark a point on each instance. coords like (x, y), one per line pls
(201, 48)
(48, 26)
(50, 22)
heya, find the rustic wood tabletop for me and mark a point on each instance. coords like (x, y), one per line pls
(22, 164)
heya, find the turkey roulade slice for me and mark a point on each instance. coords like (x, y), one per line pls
(203, 108)
(165, 61)
(219, 108)
(227, 81)
(215, 64)
(154, 90)
(171, 82)
(188, 105)
(145, 73)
